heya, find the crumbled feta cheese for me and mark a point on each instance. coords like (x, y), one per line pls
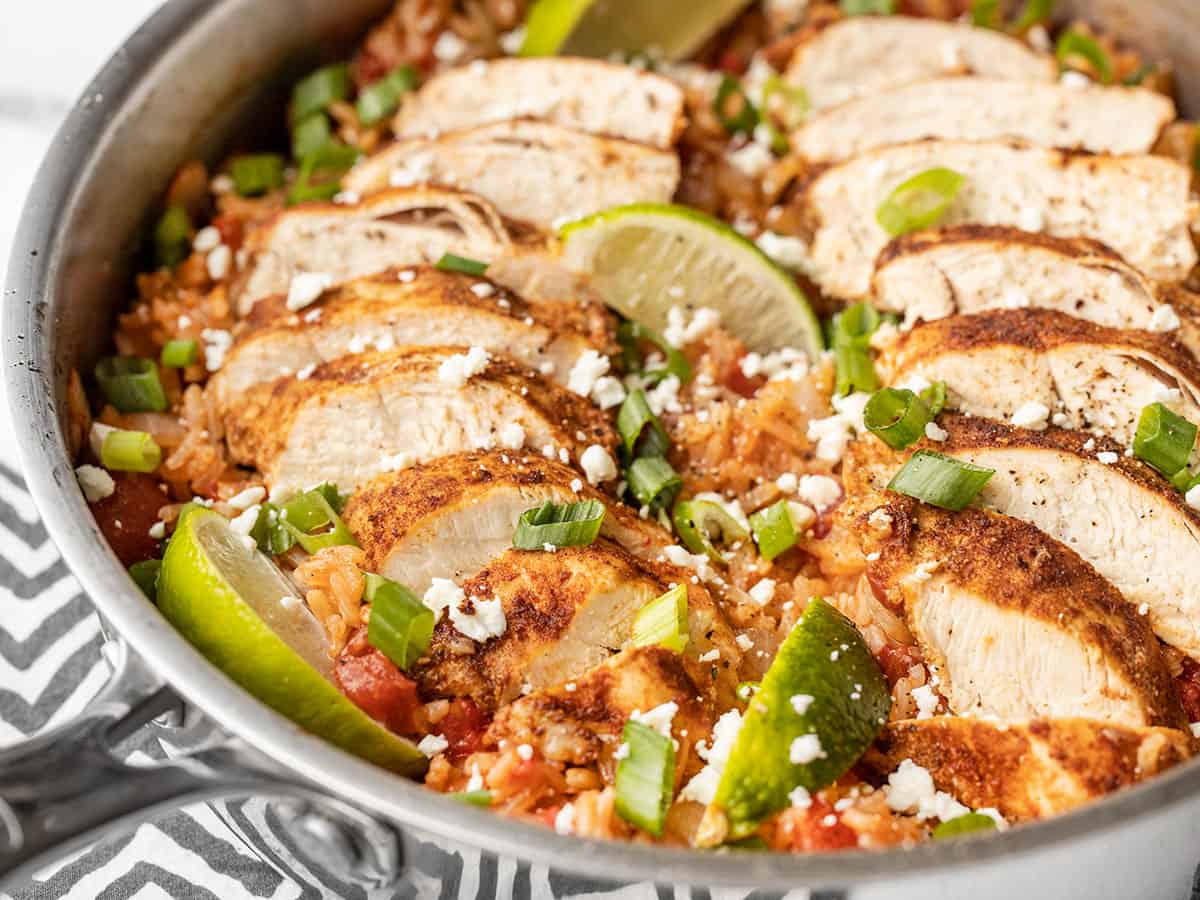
(659, 718)
(711, 656)
(587, 369)
(789, 252)
(449, 47)
(576, 485)
(512, 436)
(1032, 415)
(936, 432)
(482, 290)
(442, 594)
(622, 751)
(832, 436)
(223, 184)
(806, 749)
(346, 198)
(206, 240)
(564, 819)
(1030, 218)
(525, 752)
(1107, 457)
(801, 703)
(787, 364)
(247, 498)
(217, 342)
(1060, 420)
(158, 531)
(218, 262)
(703, 787)
(1192, 497)
(819, 491)
(598, 465)
(751, 160)
(800, 798)
(763, 591)
(1167, 396)
(802, 516)
(678, 556)
(681, 330)
(744, 642)
(475, 782)
(1143, 609)
(415, 168)
(607, 392)
(926, 699)
(394, 462)
(456, 371)
(487, 621)
(1089, 444)
(245, 520)
(1039, 39)
(1014, 298)
(1164, 319)
(433, 744)
(664, 397)
(306, 288)
(952, 55)
(407, 276)
(96, 437)
(910, 789)
(305, 372)
(787, 482)
(1072, 79)
(510, 42)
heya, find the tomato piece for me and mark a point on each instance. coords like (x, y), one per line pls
(128, 514)
(814, 829)
(740, 383)
(375, 685)
(1188, 685)
(463, 726)
(895, 660)
(230, 229)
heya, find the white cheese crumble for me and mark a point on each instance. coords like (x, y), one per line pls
(1192, 497)
(512, 436)
(763, 592)
(598, 465)
(801, 703)
(1032, 415)
(744, 642)
(525, 752)
(805, 749)
(711, 656)
(800, 798)
(415, 168)
(564, 819)
(206, 240)
(834, 433)
(664, 397)
(787, 364)
(1164, 319)
(456, 371)
(510, 42)
(449, 47)
(487, 621)
(245, 520)
(158, 530)
(95, 483)
(751, 160)
(586, 371)
(910, 789)
(1073, 79)
(305, 372)
(927, 701)
(819, 491)
(217, 342)
(1107, 457)
(247, 498)
(407, 276)
(442, 594)
(789, 252)
(218, 262)
(482, 290)
(659, 718)
(433, 744)
(936, 432)
(475, 782)
(681, 330)
(306, 288)
(787, 482)
(97, 436)
(607, 392)
(678, 556)
(703, 787)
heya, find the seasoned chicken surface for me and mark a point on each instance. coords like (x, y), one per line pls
(1121, 517)
(1093, 378)
(1028, 770)
(1140, 206)
(863, 55)
(360, 416)
(1013, 623)
(536, 172)
(586, 95)
(419, 307)
(1098, 119)
(448, 517)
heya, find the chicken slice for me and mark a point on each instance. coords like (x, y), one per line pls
(1098, 119)
(1014, 624)
(1087, 376)
(397, 228)
(359, 416)
(929, 275)
(1122, 518)
(566, 611)
(1028, 770)
(429, 308)
(580, 722)
(535, 172)
(587, 95)
(1140, 206)
(863, 55)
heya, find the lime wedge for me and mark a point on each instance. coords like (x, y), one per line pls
(240, 611)
(671, 29)
(820, 705)
(647, 257)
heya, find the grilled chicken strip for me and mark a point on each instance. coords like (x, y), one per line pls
(587, 95)
(359, 416)
(580, 722)
(428, 308)
(1094, 378)
(1122, 518)
(865, 55)
(449, 517)
(1097, 119)
(1140, 206)
(1013, 623)
(535, 172)
(567, 611)
(1028, 770)
(929, 275)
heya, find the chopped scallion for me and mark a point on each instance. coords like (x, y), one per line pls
(896, 417)
(970, 823)
(631, 334)
(920, 202)
(179, 354)
(637, 424)
(855, 370)
(663, 622)
(311, 510)
(1035, 13)
(940, 480)
(653, 481)
(793, 106)
(773, 530)
(868, 7)
(256, 174)
(450, 262)
(269, 532)
(172, 237)
(645, 778)
(472, 798)
(379, 100)
(1138, 76)
(856, 323)
(130, 451)
(935, 397)
(559, 525)
(310, 135)
(131, 384)
(314, 93)
(985, 13)
(733, 108)
(145, 575)
(1164, 439)
(700, 523)
(401, 626)
(1185, 479)
(1075, 44)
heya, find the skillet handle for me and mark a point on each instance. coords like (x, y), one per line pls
(65, 788)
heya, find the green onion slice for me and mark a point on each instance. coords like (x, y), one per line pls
(256, 174)
(559, 525)
(985, 13)
(701, 523)
(635, 422)
(1034, 13)
(969, 823)
(733, 108)
(472, 798)
(378, 101)
(940, 480)
(1076, 44)
(306, 513)
(631, 334)
(401, 626)
(130, 383)
(653, 481)
(314, 93)
(663, 622)
(868, 7)
(179, 354)
(1164, 439)
(1185, 479)
(795, 106)
(172, 237)
(773, 530)
(269, 531)
(130, 451)
(145, 574)
(896, 417)
(645, 778)
(855, 324)
(1139, 75)
(920, 202)
(935, 398)
(321, 171)
(310, 135)
(453, 263)
(855, 370)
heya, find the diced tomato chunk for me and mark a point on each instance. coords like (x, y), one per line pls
(1188, 685)
(740, 383)
(128, 514)
(814, 829)
(463, 726)
(376, 686)
(896, 659)
(230, 229)
(732, 62)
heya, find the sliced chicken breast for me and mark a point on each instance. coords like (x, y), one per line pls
(533, 171)
(580, 722)
(566, 611)
(1014, 624)
(1098, 119)
(862, 55)
(1140, 206)
(587, 95)
(1090, 377)
(359, 416)
(1028, 770)
(1122, 517)
(447, 518)
(428, 308)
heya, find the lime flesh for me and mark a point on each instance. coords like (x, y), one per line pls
(243, 614)
(670, 28)
(823, 682)
(645, 258)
